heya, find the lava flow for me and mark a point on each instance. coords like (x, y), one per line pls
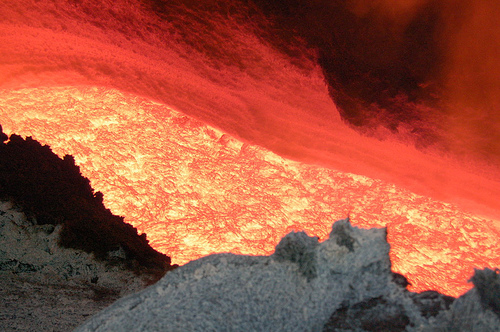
(258, 150)
(197, 191)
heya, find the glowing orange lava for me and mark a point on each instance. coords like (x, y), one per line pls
(197, 191)
(103, 80)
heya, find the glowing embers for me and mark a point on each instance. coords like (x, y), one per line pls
(195, 191)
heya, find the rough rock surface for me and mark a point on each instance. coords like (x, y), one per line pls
(63, 254)
(52, 191)
(342, 284)
(45, 287)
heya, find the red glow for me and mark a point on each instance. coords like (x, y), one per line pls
(195, 191)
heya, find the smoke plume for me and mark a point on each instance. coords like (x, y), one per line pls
(421, 68)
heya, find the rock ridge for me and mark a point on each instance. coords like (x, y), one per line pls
(342, 284)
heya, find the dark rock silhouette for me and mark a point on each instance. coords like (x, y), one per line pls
(376, 314)
(52, 191)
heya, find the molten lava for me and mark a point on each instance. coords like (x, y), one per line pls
(105, 81)
(197, 191)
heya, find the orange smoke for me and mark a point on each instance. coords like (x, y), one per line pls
(472, 81)
(467, 37)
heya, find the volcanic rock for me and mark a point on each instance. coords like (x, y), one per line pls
(63, 255)
(342, 284)
(45, 287)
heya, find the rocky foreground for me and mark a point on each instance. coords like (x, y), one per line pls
(342, 284)
(63, 255)
(45, 287)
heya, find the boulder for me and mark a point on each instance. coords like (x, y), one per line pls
(342, 284)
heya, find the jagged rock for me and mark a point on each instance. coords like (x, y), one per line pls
(3, 137)
(298, 248)
(487, 283)
(45, 287)
(33, 251)
(295, 289)
(342, 284)
(431, 303)
(52, 192)
(61, 249)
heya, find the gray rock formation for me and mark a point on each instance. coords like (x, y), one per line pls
(45, 287)
(342, 284)
(33, 251)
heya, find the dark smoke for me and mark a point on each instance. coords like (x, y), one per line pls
(422, 67)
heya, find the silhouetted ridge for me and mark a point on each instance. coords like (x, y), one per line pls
(53, 191)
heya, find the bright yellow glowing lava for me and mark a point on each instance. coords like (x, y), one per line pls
(197, 191)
